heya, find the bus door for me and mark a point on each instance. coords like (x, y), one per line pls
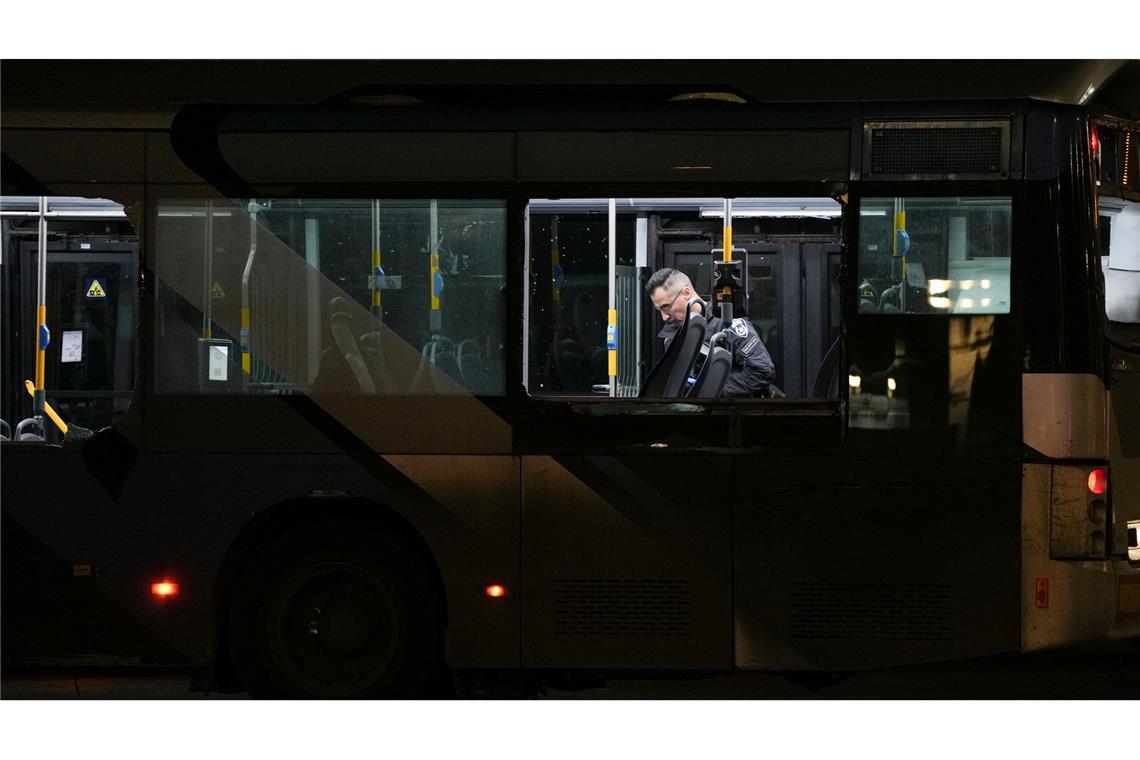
(89, 367)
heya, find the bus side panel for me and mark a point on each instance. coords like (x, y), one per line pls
(874, 562)
(627, 562)
(59, 600)
(178, 514)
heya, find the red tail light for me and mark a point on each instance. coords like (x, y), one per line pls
(1094, 142)
(495, 591)
(1098, 480)
(164, 589)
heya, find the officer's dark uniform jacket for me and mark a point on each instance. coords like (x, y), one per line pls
(752, 368)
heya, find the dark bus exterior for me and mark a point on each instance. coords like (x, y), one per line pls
(371, 434)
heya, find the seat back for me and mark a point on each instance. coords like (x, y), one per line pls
(471, 368)
(714, 373)
(669, 377)
(372, 348)
(344, 335)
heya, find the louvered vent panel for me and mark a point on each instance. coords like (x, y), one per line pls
(936, 150)
(623, 607)
(885, 612)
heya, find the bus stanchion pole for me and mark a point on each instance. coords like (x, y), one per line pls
(43, 335)
(611, 326)
(246, 277)
(435, 281)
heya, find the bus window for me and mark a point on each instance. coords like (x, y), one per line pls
(934, 256)
(787, 251)
(339, 297)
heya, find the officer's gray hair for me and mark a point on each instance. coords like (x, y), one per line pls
(673, 280)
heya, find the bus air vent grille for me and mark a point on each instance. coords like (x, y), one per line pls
(879, 611)
(936, 150)
(623, 607)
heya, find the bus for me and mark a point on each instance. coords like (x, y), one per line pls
(354, 397)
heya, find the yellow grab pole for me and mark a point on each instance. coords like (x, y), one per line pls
(59, 423)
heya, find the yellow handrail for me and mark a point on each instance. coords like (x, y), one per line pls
(59, 423)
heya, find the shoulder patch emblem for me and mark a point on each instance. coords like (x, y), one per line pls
(740, 327)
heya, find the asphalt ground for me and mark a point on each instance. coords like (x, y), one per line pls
(1106, 670)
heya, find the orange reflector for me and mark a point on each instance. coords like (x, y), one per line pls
(164, 589)
(495, 591)
(1098, 480)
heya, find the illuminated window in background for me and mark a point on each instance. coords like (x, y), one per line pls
(947, 255)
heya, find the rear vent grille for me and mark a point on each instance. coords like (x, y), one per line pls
(885, 612)
(936, 150)
(618, 607)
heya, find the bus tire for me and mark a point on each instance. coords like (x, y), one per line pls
(335, 612)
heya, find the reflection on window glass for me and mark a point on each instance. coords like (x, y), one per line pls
(337, 297)
(934, 256)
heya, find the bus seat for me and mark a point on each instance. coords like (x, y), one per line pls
(30, 429)
(471, 368)
(437, 354)
(344, 335)
(714, 373)
(867, 306)
(446, 361)
(669, 377)
(371, 347)
(345, 341)
(5, 431)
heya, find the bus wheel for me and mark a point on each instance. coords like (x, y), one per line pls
(337, 613)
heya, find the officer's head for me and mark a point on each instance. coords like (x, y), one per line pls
(670, 290)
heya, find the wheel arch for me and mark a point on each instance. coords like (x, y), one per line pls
(283, 518)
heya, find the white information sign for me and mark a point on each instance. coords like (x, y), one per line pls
(219, 363)
(71, 349)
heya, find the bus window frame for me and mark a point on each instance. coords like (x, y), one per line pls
(684, 406)
(928, 189)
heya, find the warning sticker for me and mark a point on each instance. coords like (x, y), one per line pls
(216, 290)
(95, 289)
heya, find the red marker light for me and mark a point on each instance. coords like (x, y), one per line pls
(1098, 480)
(495, 591)
(164, 589)
(1094, 141)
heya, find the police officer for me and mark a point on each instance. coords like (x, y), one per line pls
(752, 371)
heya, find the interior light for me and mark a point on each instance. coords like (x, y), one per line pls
(966, 303)
(935, 286)
(967, 284)
(891, 384)
(1098, 481)
(1088, 94)
(495, 591)
(164, 589)
(854, 381)
(985, 284)
(939, 302)
(986, 302)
